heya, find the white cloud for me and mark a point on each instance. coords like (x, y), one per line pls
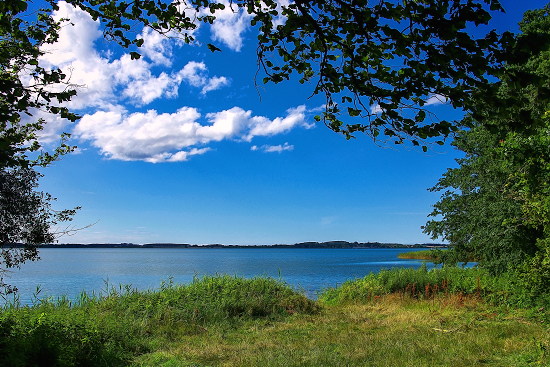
(262, 126)
(149, 136)
(195, 73)
(375, 109)
(154, 137)
(147, 88)
(225, 124)
(436, 99)
(158, 47)
(214, 83)
(183, 156)
(107, 86)
(102, 82)
(229, 26)
(273, 148)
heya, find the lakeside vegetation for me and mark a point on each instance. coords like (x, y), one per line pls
(428, 255)
(404, 317)
(438, 255)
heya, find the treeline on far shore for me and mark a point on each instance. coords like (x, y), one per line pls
(329, 244)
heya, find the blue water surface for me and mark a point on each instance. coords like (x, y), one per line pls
(68, 272)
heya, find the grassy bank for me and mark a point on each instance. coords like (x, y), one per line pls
(429, 255)
(380, 320)
(434, 255)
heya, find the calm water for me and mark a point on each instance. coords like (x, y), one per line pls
(71, 271)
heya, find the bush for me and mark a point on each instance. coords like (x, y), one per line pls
(31, 338)
(210, 300)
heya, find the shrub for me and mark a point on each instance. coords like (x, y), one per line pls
(30, 337)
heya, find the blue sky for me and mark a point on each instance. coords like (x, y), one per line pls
(181, 146)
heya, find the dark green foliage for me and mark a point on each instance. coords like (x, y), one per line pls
(495, 206)
(26, 218)
(25, 86)
(40, 337)
(478, 217)
(26, 89)
(391, 54)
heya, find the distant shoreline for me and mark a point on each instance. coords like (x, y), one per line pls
(301, 245)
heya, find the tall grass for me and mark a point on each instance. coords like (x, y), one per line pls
(431, 255)
(122, 324)
(110, 330)
(506, 289)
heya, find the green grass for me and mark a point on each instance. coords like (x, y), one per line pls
(429, 255)
(112, 330)
(390, 331)
(434, 255)
(505, 290)
(379, 320)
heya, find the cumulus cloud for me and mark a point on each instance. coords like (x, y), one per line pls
(109, 86)
(273, 148)
(375, 109)
(262, 126)
(159, 47)
(214, 83)
(156, 47)
(229, 26)
(195, 73)
(100, 81)
(154, 137)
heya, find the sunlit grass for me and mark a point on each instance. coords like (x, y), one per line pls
(391, 331)
(379, 320)
(429, 255)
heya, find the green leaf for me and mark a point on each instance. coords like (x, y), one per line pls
(212, 48)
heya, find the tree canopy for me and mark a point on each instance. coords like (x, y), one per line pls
(376, 62)
(495, 206)
(26, 217)
(25, 86)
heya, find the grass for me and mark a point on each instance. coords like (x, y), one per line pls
(379, 320)
(434, 255)
(428, 255)
(390, 331)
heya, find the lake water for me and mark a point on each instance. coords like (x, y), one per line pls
(70, 271)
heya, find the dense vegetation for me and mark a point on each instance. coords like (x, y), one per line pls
(111, 330)
(399, 317)
(495, 206)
